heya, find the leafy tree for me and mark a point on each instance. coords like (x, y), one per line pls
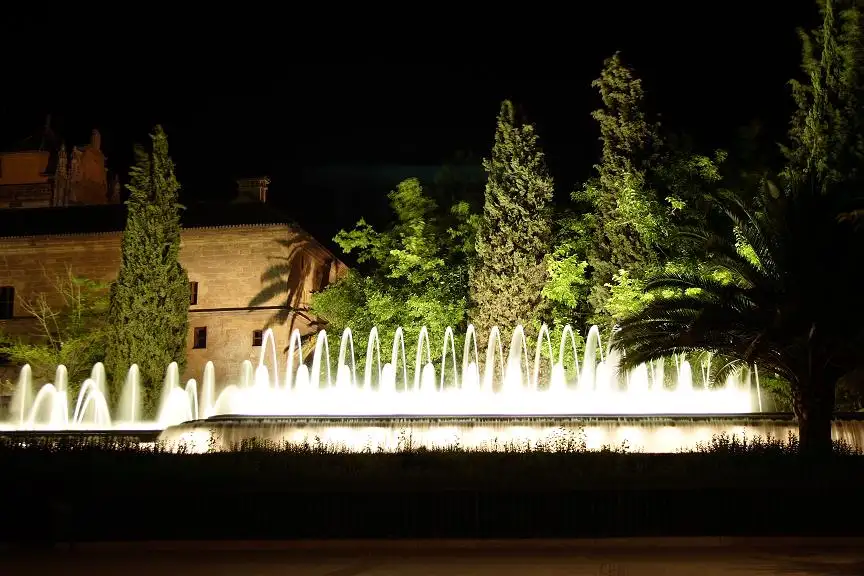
(621, 227)
(149, 302)
(827, 130)
(416, 273)
(792, 306)
(567, 274)
(567, 282)
(515, 232)
(72, 333)
(826, 134)
(627, 219)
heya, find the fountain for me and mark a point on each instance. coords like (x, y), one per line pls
(484, 401)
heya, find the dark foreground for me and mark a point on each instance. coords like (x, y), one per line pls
(668, 557)
(85, 493)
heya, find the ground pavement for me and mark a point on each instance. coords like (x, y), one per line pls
(616, 557)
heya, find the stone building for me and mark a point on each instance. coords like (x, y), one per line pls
(40, 172)
(225, 249)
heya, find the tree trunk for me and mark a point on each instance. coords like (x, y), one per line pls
(814, 409)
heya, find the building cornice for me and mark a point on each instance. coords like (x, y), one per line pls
(16, 241)
(120, 232)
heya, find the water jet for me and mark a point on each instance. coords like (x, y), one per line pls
(513, 395)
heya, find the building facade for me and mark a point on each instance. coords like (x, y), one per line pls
(225, 249)
(40, 172)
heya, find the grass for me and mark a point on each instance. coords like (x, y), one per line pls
(564, 464)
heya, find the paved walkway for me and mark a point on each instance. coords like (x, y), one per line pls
(667, 557)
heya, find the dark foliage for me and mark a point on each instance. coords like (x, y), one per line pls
(149, 305)
(793, 306)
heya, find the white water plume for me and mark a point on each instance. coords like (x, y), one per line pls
(548, 378)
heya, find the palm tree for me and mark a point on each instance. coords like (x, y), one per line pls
(794, 306)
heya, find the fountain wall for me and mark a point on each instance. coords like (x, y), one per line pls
(659, 434)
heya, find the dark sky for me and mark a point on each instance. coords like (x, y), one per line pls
(280, 95)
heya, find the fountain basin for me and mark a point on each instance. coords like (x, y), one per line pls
(656, 433)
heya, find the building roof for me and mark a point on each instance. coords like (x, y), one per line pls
(112, 218)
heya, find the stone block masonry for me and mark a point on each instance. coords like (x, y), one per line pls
(227, 264)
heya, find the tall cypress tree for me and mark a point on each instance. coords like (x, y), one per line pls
(826, 135)
(626, 217)
(149, 305)
(514, 235)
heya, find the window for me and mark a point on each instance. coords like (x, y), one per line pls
(193, 293)
(7, 302)
(199, 341)
(257, 337)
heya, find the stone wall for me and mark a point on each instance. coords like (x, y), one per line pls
(23, 180)
(227, 263)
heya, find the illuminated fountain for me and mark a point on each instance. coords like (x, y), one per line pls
(489, 400)
(551, 380)
(51, 408)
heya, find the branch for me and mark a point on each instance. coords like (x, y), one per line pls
(45, 316)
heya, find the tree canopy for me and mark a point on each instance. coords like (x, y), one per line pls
(682, 249)
(70, 329)
(620, 225)
(515, 231)
(826, 134)
(789, 307)
(149, 302)
(416, 271)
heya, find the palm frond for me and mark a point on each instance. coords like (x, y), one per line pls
(686, 281)
(798, 307)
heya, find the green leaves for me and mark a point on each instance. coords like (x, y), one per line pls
(826, 135)
(73, 333)
(515, 232)
(416, 271)
(626, 219)
(785, 300)
(566, 280)
(149, 301)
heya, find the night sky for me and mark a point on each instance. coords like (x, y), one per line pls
(277, 99)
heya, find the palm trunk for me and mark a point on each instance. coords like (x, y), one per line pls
(814, 409)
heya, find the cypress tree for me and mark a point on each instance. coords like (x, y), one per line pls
(514, 233)
(149, 304)
(826, 134)
(624, 213)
